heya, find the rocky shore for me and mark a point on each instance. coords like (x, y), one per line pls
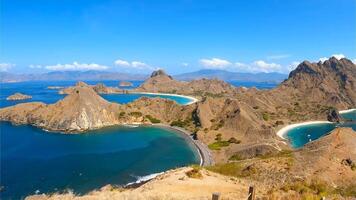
(18, 96)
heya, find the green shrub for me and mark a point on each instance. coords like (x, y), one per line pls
(180, 123)
(234, 140)
(194, 173)
(236, 157)
(136, 114)
(265, 116)
(152, 119)
(122, 114)
(228, 169)
(217, 145)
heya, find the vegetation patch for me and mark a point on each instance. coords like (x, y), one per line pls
(233, 169)
(222, 143)
(234, 140)
(136, 114)
(217, 145)
(180, 123)
(265, 116)
(152, 119)
(194, 173)
(122, 114)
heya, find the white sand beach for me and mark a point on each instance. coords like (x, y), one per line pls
(193, 100)
(347, 111)
(281, 133)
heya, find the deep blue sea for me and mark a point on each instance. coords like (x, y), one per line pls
(303, 134)
(33, 160)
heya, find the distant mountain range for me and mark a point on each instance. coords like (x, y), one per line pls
(233, 76)
(104, 75)
(70, 76)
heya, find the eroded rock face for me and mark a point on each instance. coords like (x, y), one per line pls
(333, 115)
(332, 82)
(18, 96)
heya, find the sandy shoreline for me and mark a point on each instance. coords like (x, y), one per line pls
(282, 132)
(193, 100)
(347, 111)
(203, 150)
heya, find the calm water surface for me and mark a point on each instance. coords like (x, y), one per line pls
(32, 159)
(301, 135)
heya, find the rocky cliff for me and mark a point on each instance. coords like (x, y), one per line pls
(332, 82)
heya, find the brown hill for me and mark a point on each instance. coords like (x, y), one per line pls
(81, 109)
(332, 82)
(161, 82)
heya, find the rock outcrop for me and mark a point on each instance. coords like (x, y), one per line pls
(125, 84)
(18, 96)
(333, 115)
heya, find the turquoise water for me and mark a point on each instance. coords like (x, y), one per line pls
(126, 98)
(301, 135)
(349, 115)
(32, 159)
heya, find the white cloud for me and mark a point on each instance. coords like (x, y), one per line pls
(4, 67)
(214, 63)
(139, 65)
(75, 66)
(35, 66)
(185, 64)
(238, 64)
(262, 66)
(123, 63)
(354, 61)
(277, 57)
(134, 65)
(337, 56)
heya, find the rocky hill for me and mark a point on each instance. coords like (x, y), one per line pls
(332, 82)
(18, 96)
(161, 82)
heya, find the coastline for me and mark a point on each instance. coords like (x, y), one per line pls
(347, 111)
(283, 131)
(193, 100)
(202, 149)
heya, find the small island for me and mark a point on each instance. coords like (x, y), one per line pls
(55, 87)
(125, 84)
(18, 96)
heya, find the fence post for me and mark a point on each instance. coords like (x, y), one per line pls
(215, 196)
(251, 193)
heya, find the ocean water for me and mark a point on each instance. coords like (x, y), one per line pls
(258, 85)
(303, 134)
(34, 160)
(349, 115)
(39, 92)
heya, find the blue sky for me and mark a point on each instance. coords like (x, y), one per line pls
(176, 35)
